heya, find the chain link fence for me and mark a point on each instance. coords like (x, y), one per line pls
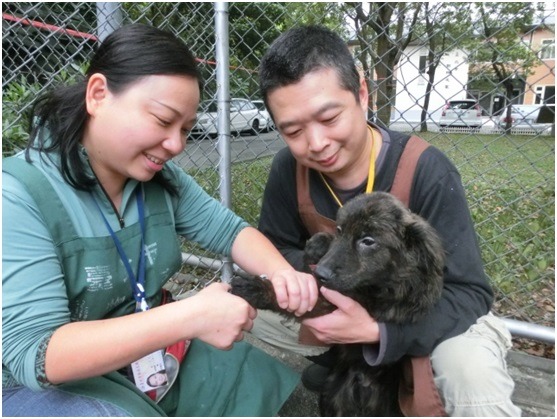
(454, 73)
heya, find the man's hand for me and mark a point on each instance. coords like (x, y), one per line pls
(349, 323)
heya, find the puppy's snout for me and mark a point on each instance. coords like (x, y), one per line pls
(323, 274)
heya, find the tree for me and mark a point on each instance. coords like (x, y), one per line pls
(384, 31)
(500, 55)
(254, 26)
(445, 26)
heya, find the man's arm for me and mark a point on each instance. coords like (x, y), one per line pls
(439, 197)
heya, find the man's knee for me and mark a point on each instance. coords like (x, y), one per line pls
(471, 373)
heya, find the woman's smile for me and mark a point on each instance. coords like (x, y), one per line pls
(154, 163)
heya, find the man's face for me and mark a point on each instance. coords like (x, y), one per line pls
(323, 124)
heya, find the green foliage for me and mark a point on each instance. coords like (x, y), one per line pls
(499, 56)
(17, 100)
(16, 104)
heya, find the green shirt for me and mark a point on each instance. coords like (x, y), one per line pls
(46, 285)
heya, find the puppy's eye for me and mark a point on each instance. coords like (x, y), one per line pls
(339, 230)
(367, 242)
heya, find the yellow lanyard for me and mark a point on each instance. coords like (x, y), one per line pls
(370, 177)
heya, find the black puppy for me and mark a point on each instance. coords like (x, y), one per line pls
(391, 262)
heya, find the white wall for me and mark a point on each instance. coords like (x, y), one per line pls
(450, 82)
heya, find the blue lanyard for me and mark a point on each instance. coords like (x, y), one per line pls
(137, 283)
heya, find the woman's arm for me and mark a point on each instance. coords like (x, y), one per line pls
(85, 349)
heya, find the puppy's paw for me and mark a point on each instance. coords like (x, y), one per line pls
(257, 291)
(316, 247)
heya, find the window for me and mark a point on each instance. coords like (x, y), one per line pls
(544, 95)
(423, 64)
(547, 51)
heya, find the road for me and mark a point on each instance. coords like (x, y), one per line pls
(203, 153)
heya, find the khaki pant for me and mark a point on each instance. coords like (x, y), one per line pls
(470, 370)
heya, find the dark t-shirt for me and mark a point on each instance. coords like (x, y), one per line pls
(438, 196)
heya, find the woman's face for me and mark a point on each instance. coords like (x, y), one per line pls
(132, 134)
(156, 380)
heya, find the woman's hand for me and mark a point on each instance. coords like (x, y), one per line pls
(296, 291)
(349, 323)
(223, 317)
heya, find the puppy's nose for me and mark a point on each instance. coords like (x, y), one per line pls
(323, 274)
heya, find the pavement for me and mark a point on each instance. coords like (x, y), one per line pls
(534, 379)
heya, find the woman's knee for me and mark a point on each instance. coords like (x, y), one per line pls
(22, 401)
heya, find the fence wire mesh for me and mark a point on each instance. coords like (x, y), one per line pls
(458, 74)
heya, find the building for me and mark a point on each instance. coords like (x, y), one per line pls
(451, 79)
(540, 84)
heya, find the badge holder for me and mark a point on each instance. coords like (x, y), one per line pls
(149, 372)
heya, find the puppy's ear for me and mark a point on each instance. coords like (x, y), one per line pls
(424, 245)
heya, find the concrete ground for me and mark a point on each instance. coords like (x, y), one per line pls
(534, 383)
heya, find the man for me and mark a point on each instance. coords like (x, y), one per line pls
(319, 103)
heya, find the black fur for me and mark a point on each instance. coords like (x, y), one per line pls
(391, 262)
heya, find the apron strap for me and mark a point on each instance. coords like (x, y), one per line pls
(50, 205)
(404, 176)
(312, 220)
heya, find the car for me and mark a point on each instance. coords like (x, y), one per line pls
(529, 118)
(244, 116)
(462, 113)
(261, 106)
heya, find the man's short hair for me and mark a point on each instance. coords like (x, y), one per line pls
(302, 50)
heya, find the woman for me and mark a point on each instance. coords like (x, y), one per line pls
(90, 216)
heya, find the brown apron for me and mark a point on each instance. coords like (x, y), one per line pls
(418, 395)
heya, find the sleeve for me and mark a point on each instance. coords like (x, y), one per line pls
(202, 219)
(439, 197)
(34, 299)
(279, 220)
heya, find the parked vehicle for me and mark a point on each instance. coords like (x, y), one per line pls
(465, 113)
(261, 106)
(536, 118)
(244, 116)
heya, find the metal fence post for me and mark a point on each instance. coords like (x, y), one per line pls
(223, 113)
(109, 18)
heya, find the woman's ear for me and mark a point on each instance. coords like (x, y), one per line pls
(96, 93)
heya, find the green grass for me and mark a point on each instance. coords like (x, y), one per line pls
(510, 186)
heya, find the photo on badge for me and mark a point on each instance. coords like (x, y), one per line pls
(149, 372)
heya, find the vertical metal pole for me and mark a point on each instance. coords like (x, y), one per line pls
(223, 113)
(109, 18)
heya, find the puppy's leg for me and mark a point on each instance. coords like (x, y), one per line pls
(316, 247)
(259, 293)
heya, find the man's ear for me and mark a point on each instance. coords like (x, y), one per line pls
(96, 93)
(363, 94)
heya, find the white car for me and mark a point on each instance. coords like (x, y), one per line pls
(244, 116)
(261, 106)
(529, 118)
(463, 113)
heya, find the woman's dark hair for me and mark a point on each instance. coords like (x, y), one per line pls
(302, 50)
(126, 55)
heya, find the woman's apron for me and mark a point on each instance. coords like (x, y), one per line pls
(244, 381)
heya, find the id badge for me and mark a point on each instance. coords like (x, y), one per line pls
(149, 372)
